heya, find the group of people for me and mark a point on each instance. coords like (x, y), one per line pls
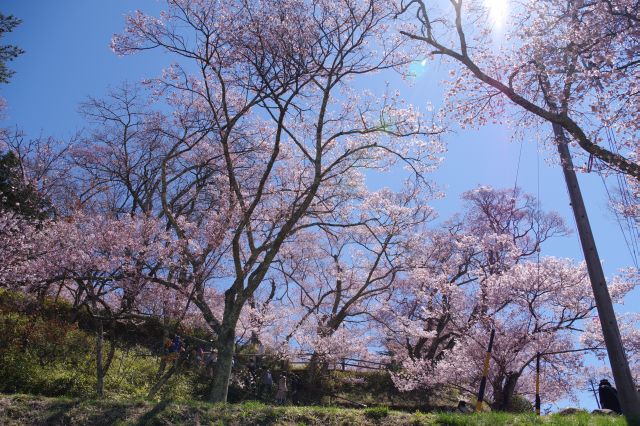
(197, 355)
(266, 386)
(173, 347)
(207, 360)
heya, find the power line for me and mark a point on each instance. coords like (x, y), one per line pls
(631, 234)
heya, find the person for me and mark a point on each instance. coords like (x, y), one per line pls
(200, 357)
(609, 396)
(173, 349)
(281, 396)
(210, 362)
(176, 344)
(266, 383)
(165, 348)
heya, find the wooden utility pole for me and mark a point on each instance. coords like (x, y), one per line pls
(538, 383)
(629, 400)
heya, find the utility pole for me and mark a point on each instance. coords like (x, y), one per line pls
(629, 400)
(538, 383)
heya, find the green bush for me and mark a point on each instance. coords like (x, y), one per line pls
(376, 413)
(519, 404)
(24, 374)
(130, 375)
(61, 380)
(50, 357)
(44, 356)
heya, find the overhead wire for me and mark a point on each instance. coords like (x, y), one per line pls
(630, 239)
(628, 226)
(632, 235)
(538, 212)
(515, 184)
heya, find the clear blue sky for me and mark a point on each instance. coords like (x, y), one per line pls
(67, 59)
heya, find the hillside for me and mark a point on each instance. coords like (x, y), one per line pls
(30, 410)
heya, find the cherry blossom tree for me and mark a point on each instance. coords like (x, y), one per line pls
(534, 308)
(629, 330)
(34, 175)
(270, 85)
(570, 63)
(31, 178)
(17, 240)
(99, 265)
(109, 174)
(70, 261)
(136, 160)
(440, 316)
(339, 278)
(499, 229)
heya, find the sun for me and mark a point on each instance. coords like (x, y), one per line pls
(498, 10)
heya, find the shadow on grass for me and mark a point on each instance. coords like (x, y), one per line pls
(57, 413)
(150, 416)
(108, 415)
(62, 413)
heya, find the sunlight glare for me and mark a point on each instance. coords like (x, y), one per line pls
(498, 10)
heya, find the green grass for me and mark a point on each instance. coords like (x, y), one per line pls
(34, 410)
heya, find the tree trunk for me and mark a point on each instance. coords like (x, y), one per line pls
(163, 355)
(161, 367)
(503, 393)
(314, 387)
(226, 349)
(102, 367)
(164, 378)
(99, 370)
(629, 400)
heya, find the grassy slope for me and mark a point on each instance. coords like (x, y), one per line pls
(31, 410)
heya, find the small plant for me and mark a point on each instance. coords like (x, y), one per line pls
(420, 419)
(376, 413)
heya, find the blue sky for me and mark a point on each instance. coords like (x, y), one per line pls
(68, 58)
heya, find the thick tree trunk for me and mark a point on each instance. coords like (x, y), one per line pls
(619, 365)
(226, 349)
(503, 392)
(315, 372)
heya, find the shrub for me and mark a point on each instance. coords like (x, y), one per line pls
(48, 355)
(519, 404)
(376, 413)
